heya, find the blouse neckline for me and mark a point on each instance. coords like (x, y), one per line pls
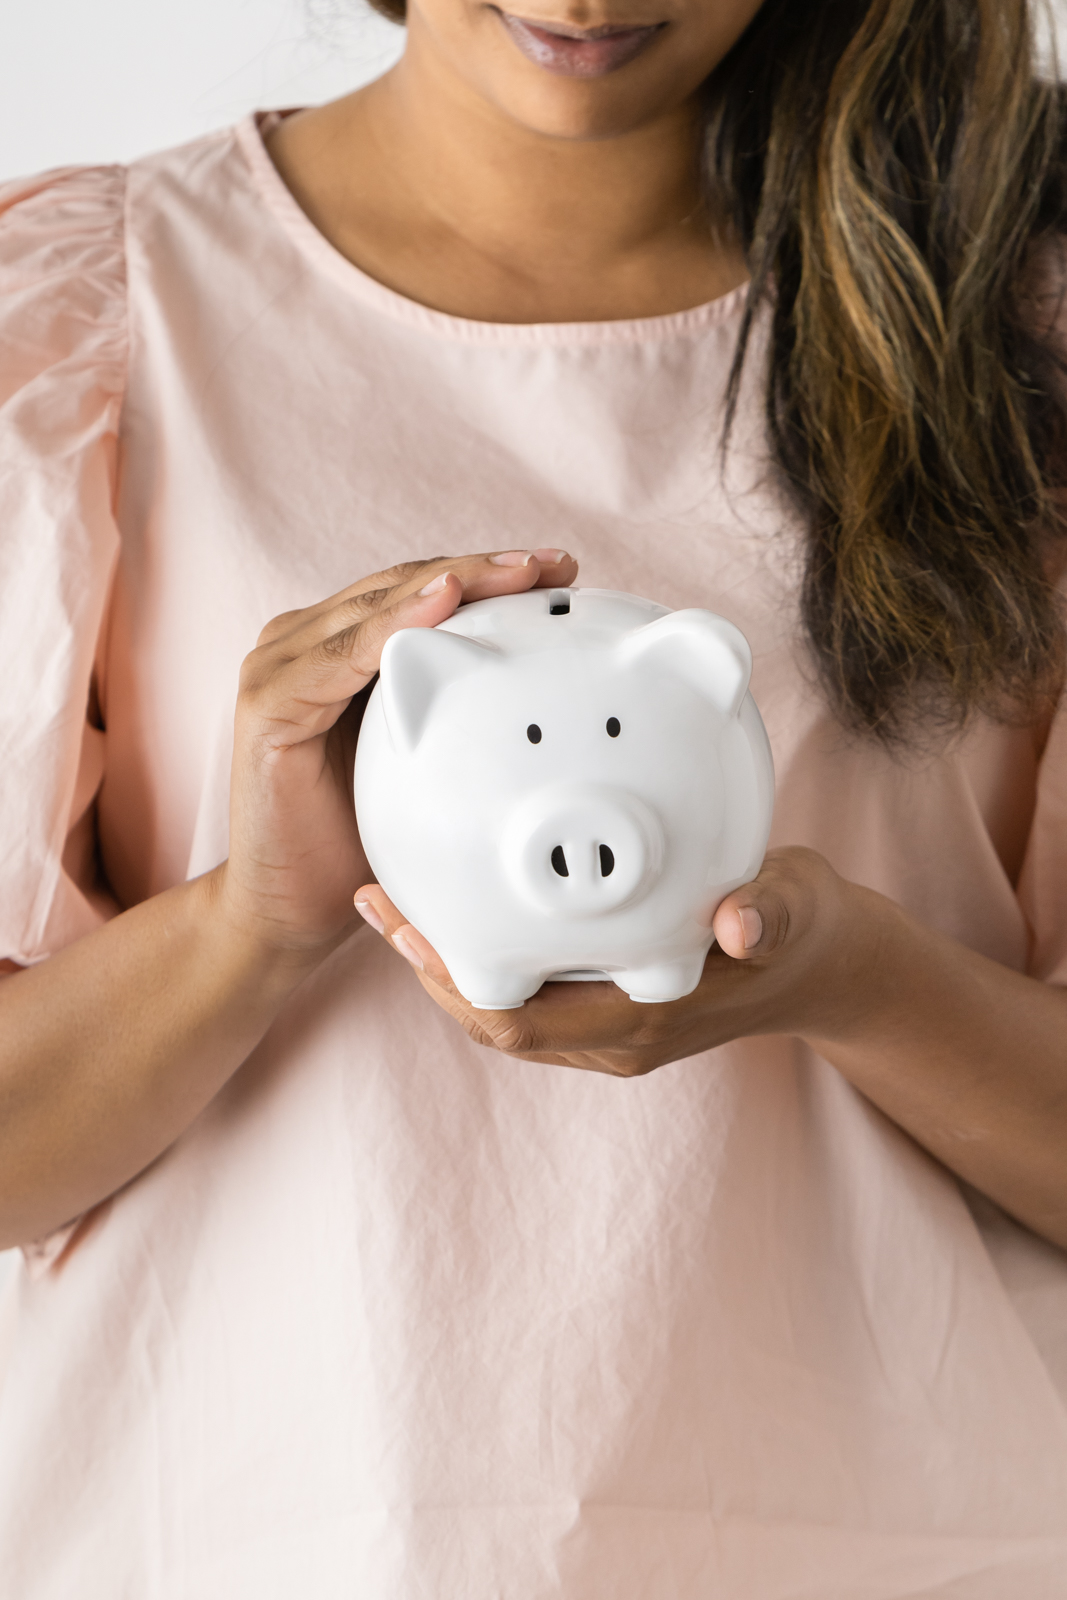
(325, 258)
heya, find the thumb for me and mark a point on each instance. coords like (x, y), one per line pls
(795, 894)
(743, 921)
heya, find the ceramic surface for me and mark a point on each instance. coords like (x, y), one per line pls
(564, 784)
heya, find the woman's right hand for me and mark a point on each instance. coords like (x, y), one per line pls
(111, 1048)
(295, 854)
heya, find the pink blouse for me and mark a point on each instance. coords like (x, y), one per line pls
(399, 1317)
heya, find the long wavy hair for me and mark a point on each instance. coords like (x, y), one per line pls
(895, 169)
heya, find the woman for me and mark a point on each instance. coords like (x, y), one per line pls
(339, 1288)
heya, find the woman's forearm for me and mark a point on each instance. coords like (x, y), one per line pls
(111, 1048)
(966, 1055)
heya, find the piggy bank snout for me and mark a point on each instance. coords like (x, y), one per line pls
(582, 850)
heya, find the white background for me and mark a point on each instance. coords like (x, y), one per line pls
(106, 80)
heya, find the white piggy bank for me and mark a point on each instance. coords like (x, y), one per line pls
(564, 784)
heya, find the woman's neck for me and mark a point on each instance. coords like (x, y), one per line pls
(434, 191)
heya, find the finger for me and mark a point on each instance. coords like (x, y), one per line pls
(480, 577)
(375, 588)
(557, 569)
(509, 572)
(560, 1019)
(330, 656)
(376, 909)
(301, 631)
(495, 571)
(738, 924)
(509, 1031)
(308, 692)
(486, 570)
(778, 907)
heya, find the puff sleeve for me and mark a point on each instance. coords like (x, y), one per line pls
(62, 373)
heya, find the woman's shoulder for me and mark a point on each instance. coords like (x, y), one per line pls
(62, 278)
(48, 207)
(68, 238)
(199, 181)
(99, 194)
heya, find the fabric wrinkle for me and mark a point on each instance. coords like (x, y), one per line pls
(396, 1315)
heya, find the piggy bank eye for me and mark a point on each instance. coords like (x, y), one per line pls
(614, 727)
(533, 733)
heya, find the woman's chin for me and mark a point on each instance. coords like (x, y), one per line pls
(560, 106)
(572, 89)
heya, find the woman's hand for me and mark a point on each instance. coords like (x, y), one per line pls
(966, 1055)
(111, 1048)
(295, 853)
(790, 948)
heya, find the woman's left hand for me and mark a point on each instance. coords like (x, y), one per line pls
(791, 948)
(963, 1053)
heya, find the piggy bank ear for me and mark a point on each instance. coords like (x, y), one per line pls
(707, 651)
(417, 663)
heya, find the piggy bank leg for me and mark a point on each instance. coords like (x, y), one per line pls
(667, 980)
(487, 989)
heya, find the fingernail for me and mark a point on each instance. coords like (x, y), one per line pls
(408, 951)
(550, 558)
(370, 916)
(512, 558)
(435, 585)
(751, 926)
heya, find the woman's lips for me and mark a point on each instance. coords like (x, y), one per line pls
(578, 53)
